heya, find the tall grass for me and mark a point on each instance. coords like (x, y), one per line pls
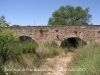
(86, 61)
(52, 46)
(49, 49)
(29, 59)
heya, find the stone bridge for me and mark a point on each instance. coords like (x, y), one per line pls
(42, 34)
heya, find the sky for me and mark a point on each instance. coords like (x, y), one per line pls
(38, 12)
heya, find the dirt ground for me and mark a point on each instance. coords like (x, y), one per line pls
(54, 66)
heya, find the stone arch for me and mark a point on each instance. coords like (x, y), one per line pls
(72, 42)
(25, 38)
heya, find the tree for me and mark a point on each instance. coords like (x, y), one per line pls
(70, 15)
(3, 22)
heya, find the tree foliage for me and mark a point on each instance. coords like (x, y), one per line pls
(3, 22)
(70, 15)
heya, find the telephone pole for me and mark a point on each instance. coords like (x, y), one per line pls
(34, 23)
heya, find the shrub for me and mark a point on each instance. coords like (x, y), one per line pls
(6, 39)
(28, 47)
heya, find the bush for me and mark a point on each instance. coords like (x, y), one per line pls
(6, 39)
(28, 47)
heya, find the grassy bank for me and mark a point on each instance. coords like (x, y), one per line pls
(86, 61)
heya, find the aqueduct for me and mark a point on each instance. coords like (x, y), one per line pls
(42, 34)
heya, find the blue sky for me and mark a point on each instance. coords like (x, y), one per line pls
(25, 12)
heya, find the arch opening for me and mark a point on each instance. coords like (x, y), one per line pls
(28, 44)
(73, 42)
(24, 39)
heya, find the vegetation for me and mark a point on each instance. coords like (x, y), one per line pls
(70, 15)
(22, 52)
(3, 22)
(86, 61)
(49, 49)
(12, 48)
(6, 38)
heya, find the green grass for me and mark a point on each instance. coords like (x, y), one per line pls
(88, 59)
(49, 49)
(52, 47)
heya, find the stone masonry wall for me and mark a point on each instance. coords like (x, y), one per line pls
(42, 34)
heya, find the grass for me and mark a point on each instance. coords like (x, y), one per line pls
(27, 61)
(86, 59)
(47, 50)
(27, 55)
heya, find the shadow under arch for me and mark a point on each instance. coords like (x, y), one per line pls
(29, 45)
(73, 42)
(24, 39)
